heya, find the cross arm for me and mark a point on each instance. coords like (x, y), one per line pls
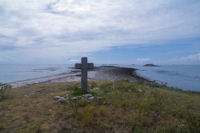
(90, 65)
(77, 66)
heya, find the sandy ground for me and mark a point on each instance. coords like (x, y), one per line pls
(99, 73)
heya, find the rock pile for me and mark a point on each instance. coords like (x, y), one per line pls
(76, 98)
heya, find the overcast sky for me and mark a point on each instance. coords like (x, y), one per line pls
(107, 31)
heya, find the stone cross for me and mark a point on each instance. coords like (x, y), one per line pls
(84, 66)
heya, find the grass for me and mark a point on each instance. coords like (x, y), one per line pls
(124, 107)
(3, 95)
(3, 91)
(77, 91)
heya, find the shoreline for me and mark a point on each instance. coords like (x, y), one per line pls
(111, 73)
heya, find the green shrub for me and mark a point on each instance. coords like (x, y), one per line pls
(3, 94)
(124, 85)
(86, 115)
(105, 90)
(1, 126)
(138, 122)
(140, 82)
(171, 128)
(106, 84)
(77, 91)
(193, 122)
(92, 84)
(154, 85)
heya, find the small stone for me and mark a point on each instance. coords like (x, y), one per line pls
(57, 97)
(99, 98)
(62, 100)
(67, 95)
(74, 98)
(139, 90)
(96, 88)
(26, 96)
(91, 98)
(79, 97)
(87, 95)
(50, 110)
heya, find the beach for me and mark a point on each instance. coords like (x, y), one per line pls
(98, 73)
(178, 78)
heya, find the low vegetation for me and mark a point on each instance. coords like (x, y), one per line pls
(123, 107)
(3, 92)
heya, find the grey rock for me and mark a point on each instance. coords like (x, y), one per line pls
(52, 93)
(91, 98)
(96, 88)
(58, 97)
(79, 97)
(4, 86)
(62, 100)
(26, 96)
(87, 95)
(75, 98)
(140, 90)
(99, 98)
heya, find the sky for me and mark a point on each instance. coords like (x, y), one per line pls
(106, 31)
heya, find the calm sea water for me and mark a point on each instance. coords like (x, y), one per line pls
(11, 73)
(186, 77)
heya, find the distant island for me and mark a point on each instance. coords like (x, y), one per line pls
(151, 65)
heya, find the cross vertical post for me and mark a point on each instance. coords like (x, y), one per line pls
(84, 69)
(84, 66)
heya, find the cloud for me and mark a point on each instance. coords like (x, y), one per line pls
(191, 59)
(143, 60)
(73, 60)
(59, 29)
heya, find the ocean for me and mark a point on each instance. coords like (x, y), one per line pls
(185, 77)
(12, 73)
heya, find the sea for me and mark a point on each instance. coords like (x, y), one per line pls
(19, 72)
(185, 77)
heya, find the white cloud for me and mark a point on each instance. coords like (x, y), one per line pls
(143, 60)
(191, 59)
(73, 60)
(55, 29)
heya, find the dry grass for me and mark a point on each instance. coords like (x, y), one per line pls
(125, 107)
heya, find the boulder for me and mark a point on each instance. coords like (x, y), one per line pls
(62, 100)
(91, 98)
(87, 95)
